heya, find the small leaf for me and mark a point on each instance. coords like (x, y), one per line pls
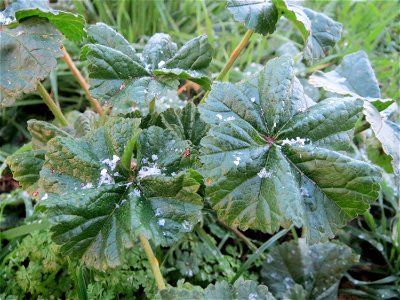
(185, 123)
(42, 132)
(25, 167)
(29, 53)
(270, 158)
(258, 15)
(70, 24)
(85, 123)
(317, 269)
(325, 33)
(354, 77)
(387, 132)
(241, 290)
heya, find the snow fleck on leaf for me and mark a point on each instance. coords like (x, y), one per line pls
(231, 118)
(161, 222)
(149, 171)
(45, 196)
(298, 141)
(186, 225)
(158, 212)
(112, 163)
(237, 161)
(253, 99)
(264, 174)
(88, 185)
(219, 116)
(136, 192)
(173, 174)
(105, 178)
(116, 205)
(253, 296)
(154, 157)
(161, 64)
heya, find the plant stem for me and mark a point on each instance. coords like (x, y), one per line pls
(239, 48)
(51, 105)
(153, 262)
(364, 126)
(240, 235)
(82, 82)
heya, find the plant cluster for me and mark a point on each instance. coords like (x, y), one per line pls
(145, 169)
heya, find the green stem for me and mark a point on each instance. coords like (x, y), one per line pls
(232, 59)
(51, 105)
(364, 126)
(153, 262)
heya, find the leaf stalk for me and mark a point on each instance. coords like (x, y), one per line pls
(51, 105)
(239, 48)
(82, 82)
(153, 262)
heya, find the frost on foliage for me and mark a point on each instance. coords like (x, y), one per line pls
(126, 80)
(289, 170)
(314, 271)
(36, 57)
(96, 214)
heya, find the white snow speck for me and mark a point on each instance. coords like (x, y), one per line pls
(45, 196)
(105, 178)
(112, 163)
(231, 118)
(161, 64)
(219, 116)
(264, 174)
(136, 192)
(186, 225)
(116, 174)
(154, 157)
(158, 212)
(161, 222)
(237, 161)
(88, 185)
(149, 171)
(116, 205)
(253, 296)
(298, 141)
(253, 99)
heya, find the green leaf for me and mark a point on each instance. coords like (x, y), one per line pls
(185, 123)
(270, 160)
(258, 15)
(241, 290)
(99, 203)
(42, 132)
(85, 123)
(376, 154)
(324, 34)
(317, 269)
(354, 77)
(29, 53)
(70, 24)
(25, 167)
(128, 81)
(387, 132)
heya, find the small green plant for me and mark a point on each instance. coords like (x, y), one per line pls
(144, 167)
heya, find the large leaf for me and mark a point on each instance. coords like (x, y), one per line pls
(387, 132)
(258, 15)
(28, 54)
(271, 161)
(317, 269)
(99, 207)
(354, 77)
(127, 81)
(241, 290)
(70, 24)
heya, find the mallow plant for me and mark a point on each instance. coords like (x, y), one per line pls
(143, 166)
